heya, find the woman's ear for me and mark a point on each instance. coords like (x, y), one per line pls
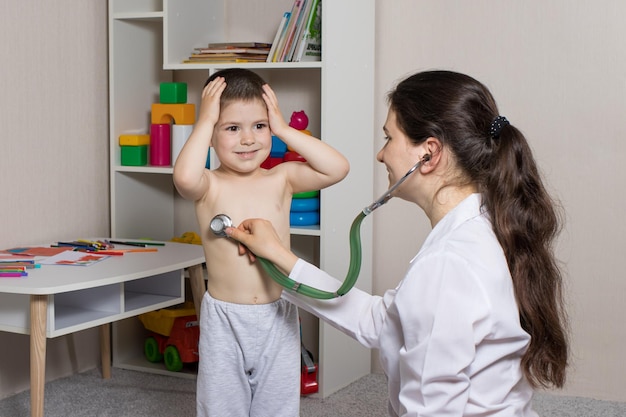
(432, 154)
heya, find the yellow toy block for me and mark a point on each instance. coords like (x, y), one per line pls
(180, 114)
(134, 140)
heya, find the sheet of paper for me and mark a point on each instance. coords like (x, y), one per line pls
(69, 257)
(36, 251)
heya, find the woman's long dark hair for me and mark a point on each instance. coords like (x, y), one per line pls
(459, 111)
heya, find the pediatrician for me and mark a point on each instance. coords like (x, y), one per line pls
(478, 321)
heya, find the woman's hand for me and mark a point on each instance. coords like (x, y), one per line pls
(258, 237)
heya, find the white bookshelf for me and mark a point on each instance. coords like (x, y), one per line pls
(149, 39)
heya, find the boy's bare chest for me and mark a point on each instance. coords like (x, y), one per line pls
(266, 197)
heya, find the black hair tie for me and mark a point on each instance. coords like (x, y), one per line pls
(496, 126)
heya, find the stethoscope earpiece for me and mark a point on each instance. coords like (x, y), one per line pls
(387, 196)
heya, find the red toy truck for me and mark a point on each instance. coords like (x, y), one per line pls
(174, 336)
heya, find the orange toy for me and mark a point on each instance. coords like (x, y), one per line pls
(180, 114)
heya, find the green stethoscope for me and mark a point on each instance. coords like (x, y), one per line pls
(220, 222)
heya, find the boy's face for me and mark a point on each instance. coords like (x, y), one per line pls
(242, 138)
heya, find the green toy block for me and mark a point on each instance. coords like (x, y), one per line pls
(135, 155)
(173, 93)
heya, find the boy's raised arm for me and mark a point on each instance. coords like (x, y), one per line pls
(189, 177)
(326, 166)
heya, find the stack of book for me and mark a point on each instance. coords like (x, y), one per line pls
(299, 34)
(230, 52)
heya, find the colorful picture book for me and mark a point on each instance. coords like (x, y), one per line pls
(299, 34)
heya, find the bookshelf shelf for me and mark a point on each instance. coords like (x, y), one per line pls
(150, 16)
(148, 41)
(144, 169)
(248, 65)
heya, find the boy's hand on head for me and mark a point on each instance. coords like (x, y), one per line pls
(210, 105)
(277, 122)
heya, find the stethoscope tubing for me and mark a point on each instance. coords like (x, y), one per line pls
(351, 277)
(223, 221)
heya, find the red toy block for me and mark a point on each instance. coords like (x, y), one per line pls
(293, 156)
(271, 162)
(160, 145)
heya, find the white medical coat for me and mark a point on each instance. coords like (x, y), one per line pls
(449, 334)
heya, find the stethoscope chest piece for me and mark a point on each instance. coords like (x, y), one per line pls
(219, 224)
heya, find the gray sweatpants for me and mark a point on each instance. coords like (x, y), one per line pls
(249, 360)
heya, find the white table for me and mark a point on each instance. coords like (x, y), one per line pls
(55, 300)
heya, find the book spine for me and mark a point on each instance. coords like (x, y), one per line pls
(283, 36)
(295, 12)
(310, 48)
(281, 26)
(302, 19)
(306, 31)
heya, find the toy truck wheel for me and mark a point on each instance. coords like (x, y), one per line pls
(151, 350)
(172, 359)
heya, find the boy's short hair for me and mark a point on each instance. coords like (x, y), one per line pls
(241, 85)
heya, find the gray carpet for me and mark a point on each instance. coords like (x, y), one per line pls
(138, 394)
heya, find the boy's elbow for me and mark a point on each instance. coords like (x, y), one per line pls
(179, 179)
(341, 171)
(184, 184)
(346, 169)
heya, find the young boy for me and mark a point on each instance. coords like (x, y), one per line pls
(249, 337)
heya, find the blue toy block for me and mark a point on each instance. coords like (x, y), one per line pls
(278, 148)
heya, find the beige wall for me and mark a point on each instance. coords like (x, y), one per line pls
(54, 163)
(558, 71)
(556, 68)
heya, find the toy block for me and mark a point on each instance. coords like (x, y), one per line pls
(160, 148)
(304, 218)
(135, 155)
(278, 148)
(134, 140)
(180, 134)
(181, 114)
(170, 93)
(306, 194)
(291, 156)
(305, 204)
(270, 162)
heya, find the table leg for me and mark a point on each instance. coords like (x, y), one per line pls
(38, 322)
(198, 286)
(105, 350)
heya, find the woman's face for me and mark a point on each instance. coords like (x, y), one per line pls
(398, 154)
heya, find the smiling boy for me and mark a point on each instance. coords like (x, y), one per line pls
(249, 343)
